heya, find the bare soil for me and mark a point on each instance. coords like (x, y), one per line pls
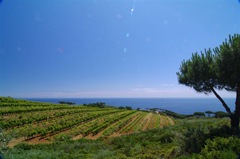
(170, 120)
(118, 132)
(161, 121)
(14, 142)
(131, 131)
(153, 122)
(149, 116)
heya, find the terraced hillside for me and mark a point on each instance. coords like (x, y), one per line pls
(36, 122)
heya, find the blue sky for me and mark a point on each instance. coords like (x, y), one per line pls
(103, 48)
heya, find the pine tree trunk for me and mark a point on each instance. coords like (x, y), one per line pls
(234, 122)
(235, 117)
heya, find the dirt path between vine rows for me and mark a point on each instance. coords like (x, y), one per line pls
(136, 125)
(91, 136)
(118, 132)
(161, 121)
(170, 120)
(14, 142)
(149, 116)
(153, 122)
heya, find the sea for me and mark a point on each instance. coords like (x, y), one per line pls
(179, 105)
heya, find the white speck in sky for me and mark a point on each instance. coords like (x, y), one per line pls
(148, 39)
(125, 50)
(127, 35)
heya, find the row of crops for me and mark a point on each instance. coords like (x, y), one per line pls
(35, 120)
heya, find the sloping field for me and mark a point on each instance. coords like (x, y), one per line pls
(36, 122)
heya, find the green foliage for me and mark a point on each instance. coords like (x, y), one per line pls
(207, 72)
(69, 103)
(128, 108)
(192, 140)
(62, 102)
(228, 62)
(187, 137)
(209, 113)
(62, 137)
(4, 140)
(218, 148)
(220, 114)
(121, 107)
(214, 148)
(175, 115)
(99, 105)
(199, 114)
(199, 72)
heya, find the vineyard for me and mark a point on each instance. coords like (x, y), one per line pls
(36, 122)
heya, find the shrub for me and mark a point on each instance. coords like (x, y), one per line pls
(221, 146)
(192, 140)
(62, 137)
(128, 108)
(220, 114)
(218, 148)
(199, 114)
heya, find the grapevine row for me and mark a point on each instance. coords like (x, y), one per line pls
(157, 123)
(134, 123)
(113, 120)
(139, 126)
(120, 124)
(138, 117)
(94, 124)
(20, 122)
(19, 110)
(65, 125)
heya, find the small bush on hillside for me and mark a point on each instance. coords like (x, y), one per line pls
(62, 137)
(192, 140)
(217, 145)
(218, 148)
(220, 114)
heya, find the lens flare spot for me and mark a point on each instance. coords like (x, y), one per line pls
(127, 35)
(125, 49)
(60, 50)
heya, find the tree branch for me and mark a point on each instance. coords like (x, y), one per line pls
(222, 101)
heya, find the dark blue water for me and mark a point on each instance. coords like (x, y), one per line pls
(178, 105)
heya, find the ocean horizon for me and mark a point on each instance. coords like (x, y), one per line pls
(178, 105)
